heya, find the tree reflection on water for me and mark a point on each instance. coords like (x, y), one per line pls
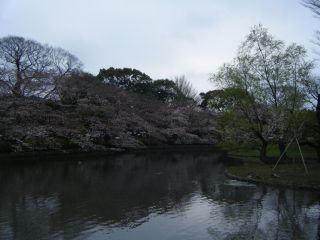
(176, 195)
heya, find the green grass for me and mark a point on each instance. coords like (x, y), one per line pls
(273, 151)
(284, 174)
(287, 174)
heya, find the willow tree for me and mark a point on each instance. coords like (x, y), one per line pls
(270, 76)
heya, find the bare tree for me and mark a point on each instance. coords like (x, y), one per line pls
(313, 5)
(24, 64)
(63, 66)
(185, 87)
(29, 68)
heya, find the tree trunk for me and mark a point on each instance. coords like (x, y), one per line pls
(16, 90)
(315, 147)
(318, 127)
(318, 114)
(263, 152)
(318, 153)
(282, 148)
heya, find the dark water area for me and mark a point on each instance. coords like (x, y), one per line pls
(147, 195)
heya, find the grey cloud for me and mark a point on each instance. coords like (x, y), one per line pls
(163, 38)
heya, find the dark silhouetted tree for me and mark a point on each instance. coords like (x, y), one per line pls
(165, 90)
(78, 85)
(126, 78)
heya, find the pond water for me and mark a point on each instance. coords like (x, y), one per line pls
(155, 195)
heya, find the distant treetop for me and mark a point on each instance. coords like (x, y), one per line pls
(125, 78)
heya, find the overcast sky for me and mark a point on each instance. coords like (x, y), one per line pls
(163, 38)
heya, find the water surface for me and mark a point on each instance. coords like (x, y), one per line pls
(156, 195)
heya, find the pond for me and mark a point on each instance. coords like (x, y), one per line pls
(148, 195)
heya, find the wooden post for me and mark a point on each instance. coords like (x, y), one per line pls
(294, 138)
(302, 158)
(282, 155)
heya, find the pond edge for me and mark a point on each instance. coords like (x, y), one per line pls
(265, 183)
(51, 155)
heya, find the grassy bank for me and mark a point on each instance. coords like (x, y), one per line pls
(249, 155)
(288, 175)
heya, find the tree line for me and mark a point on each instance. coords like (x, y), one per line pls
(29, 68)
(266, 96)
